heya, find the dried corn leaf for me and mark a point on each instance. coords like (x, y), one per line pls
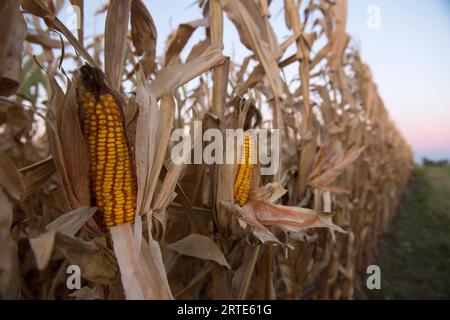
(95, 266)
(70, 223)
(166, 193)
(39, 9)
(254, 34)
(176, 75)
(36, 175)
(6, 219)
(292, 219)
(143, 35)
(12, 38)
(178, 40)
(243, 275)
(146, 131)
(201, 247)
(291, 16)
(271, 192)
(79, 4)
(42, 247)
(10, 281)
(331, 174)
(340, 37)
(138, 280)
(260, 214)
(151, 257)
(67, 144)
(165, 122)
(85, 293)
(248, 220)
(10, 178)
(116, 27)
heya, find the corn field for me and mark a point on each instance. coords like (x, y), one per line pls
(88, 181)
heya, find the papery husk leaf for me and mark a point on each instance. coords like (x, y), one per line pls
(67, 144)
(247, 219)
(141, 278)
(165, 123)
(146, 131)
(290, 218)
(271, 192)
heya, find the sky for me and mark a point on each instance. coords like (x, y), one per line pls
(408, 52)
(410, 60)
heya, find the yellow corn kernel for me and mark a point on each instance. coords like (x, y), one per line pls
(112, 177)
(241, 187)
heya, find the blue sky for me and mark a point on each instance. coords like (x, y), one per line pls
(408, 55)
(409, 58)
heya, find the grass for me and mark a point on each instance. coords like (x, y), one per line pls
(414, 255)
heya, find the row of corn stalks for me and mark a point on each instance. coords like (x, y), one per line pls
(87, 180)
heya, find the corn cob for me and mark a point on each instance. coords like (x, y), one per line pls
(241, 188)
(112, 176)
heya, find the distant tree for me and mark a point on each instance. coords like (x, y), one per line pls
(427, 162)
(440, 163)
